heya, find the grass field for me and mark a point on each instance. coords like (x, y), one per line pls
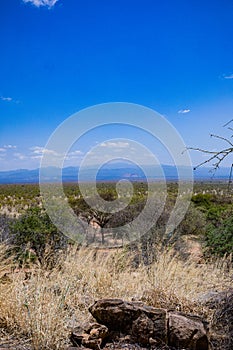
(40, 303)
(44, 306)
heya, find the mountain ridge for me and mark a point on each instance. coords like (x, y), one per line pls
(108, 172)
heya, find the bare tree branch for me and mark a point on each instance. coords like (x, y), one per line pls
(221, 138)
(228, 123)
(216, 157)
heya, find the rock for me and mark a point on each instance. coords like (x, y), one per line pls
(213, 300)
(76, 338)
(91, 338)
(90, 343)
(142, 330)
(133, 323)
(187, 332)
(134, 318)
(116, 314)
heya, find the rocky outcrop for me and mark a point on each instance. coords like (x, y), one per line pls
(136, 323)
(140, 321)
(187, 332)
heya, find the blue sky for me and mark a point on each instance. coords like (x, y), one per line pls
(58, 57)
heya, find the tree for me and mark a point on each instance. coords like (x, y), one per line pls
(94, 213)
(217, 157)
(32, 233)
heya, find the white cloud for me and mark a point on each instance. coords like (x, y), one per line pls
(20, 156)
(36, 157)
(8, 99)
(2, 150)
(76, 153)
(184, 111)
(9, 146)
(118, 144)
(41, 150)
(228, 76)
(37, 149)
(39, 3)
(117, 150)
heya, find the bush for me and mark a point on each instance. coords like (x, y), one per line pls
(33, 233)
(203, 200)
(219, 240)
(193, 223)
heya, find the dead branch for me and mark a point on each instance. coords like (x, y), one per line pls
(216, 157)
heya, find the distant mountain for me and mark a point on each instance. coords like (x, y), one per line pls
(19, 176)
(110, 172)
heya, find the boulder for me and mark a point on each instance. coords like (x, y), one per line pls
(187, 332)
(133, 322)
(132, 318)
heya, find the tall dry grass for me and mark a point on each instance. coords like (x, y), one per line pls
(44, 306)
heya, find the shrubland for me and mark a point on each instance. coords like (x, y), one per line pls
(47, 281)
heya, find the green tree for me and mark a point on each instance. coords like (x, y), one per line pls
(33, 232)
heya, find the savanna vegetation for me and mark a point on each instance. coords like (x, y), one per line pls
(48, 281)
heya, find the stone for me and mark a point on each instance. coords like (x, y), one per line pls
(134, 318)
(142, 330)
(91, 337)
(116, 314)
(90, 343)
(187, 332)
(97, 331)
(134, 325)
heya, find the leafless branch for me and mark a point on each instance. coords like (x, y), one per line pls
(222, 138)
(228, 123)
(216, 156)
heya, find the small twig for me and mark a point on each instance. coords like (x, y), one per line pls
(228, 123)
(221, 138)
(216, 155)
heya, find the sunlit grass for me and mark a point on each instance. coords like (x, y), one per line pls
(45, 305)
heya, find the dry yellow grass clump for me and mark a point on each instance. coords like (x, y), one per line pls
(44, 305)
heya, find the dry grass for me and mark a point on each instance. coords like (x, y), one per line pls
(44, 306)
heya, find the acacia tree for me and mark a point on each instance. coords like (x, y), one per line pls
(94, 213)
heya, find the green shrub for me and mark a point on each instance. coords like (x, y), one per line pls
(194, 223)
(203, 200)
(33, 233)
(219, 240)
